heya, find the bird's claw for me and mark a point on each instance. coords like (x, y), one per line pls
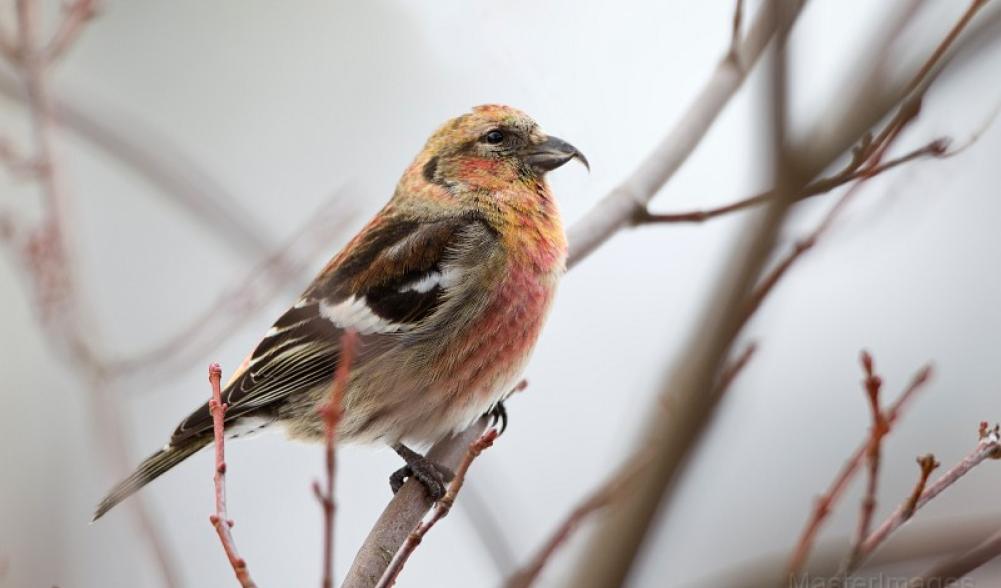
(498, 414)
(433, 476)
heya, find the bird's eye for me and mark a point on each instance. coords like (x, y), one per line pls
(493, 137)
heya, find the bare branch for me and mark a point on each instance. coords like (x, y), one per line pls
(928, 465)
(19, 166)
(948, 571)
(220, 520)
(880, 428)
(611, 490)
(825, 503)
(441, 510)
(854, 171)
(404, 512)
(620, 207)
(988, 447)
(331, 413)
(75, 15)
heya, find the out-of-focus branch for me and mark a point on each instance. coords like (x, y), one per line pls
(331, 413)
(988, 447)
(220, 520)
(853, 171)
(825, 503)
(605, 494)
(948, 571)
(618, 209)
(879, 430)
(41, 253)
(261, 283)
(75, 15)
(181, 179)
(441, 509)
(917, 541)
(19, 166)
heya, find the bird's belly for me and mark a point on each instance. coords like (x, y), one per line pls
(477, 367)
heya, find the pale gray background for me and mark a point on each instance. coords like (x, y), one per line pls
(283, 104)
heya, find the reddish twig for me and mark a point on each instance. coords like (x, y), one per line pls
(928, 465)
(75, 15)
(331, 413)
(880, 428)
(220, 519)
(606, 493)
(852, 172)
(595, 502)
(825, 503)
(988, 447)
(19, 166)
(441, 509)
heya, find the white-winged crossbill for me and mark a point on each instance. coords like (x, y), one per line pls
(447, 288)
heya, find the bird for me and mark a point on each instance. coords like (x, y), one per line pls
(445, 289)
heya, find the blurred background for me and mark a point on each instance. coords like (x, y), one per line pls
(306, 116)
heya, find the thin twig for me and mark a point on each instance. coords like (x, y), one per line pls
(988, 447)
(928, 465)
(75, 15)
(331, 413)
(612, 489)
(220, 520)
(880, 428)
(853, 171)
(825, 503)
(43, 254)
(441, 509)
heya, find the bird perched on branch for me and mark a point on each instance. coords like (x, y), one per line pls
(447, 289)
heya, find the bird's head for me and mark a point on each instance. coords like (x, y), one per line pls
(490, 148)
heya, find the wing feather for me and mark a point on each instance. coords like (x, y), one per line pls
(388, 282)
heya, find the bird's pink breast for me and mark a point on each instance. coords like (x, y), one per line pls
(496, 346)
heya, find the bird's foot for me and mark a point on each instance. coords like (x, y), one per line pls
(498, 414)
(433, 476)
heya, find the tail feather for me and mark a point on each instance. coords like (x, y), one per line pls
(149, 470)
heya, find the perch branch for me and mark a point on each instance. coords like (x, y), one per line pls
(220, 520)
(441, 510)
(331, 413)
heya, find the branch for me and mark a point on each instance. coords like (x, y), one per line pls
(604, 495)
(852, 172)
(840, 483)
(618, 209)
(404, 512)
(258, 286)
(19, 166)
(880, 428)
(441, 509)
(331, 413)
(220, 520)
(950, 570)
(75, 15)
(988, 447)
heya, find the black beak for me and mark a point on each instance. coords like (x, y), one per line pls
(552, 153)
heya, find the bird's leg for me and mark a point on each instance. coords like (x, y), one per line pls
(498, 414)
(434, 476)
